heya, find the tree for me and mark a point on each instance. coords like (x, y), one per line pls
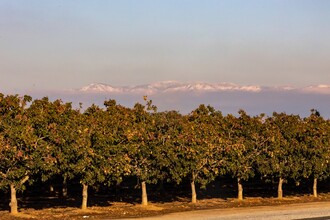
(199, 154)
(315, 152)
(141, 146)
(88, 157)
(42, 117)
(19, 146)
(114, 142)
(168, 131)
(243, 143)
(61, 138)
(281, 160)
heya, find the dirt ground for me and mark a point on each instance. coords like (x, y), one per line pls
(117, 210)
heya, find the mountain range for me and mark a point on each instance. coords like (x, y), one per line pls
(185, 97)
(200, 87)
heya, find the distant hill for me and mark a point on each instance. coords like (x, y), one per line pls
(184, 97)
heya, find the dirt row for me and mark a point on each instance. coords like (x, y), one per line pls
(115, 210)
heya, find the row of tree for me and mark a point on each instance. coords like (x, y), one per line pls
(46, 139)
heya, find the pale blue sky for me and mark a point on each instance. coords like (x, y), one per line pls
(64, 44)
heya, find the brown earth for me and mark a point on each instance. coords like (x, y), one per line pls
(125, 210)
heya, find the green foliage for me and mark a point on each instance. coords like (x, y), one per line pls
(281, 158)
(19, 153)
(244, 143)
(198, 150)
(315, 144)
(142, 143)
(102, 145)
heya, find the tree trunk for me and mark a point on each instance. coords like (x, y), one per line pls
(84, 196)
(144, 193)
(315, 187)
(279, 190)
(13, 200)
(193, 192)
(240, 189)
(64, 188)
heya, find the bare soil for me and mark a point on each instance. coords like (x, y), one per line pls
(115, 210)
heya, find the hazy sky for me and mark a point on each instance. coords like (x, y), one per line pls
(63, 44)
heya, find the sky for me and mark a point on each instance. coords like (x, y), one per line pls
(61, 44)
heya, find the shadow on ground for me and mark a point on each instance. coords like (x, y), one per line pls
(39, 197)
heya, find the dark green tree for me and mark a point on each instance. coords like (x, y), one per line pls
(141, 145)
(114, 142)
(19, 153)
(243, 143)
(61, 138)
(199, 152)
(89, 158)
(281, 160)
(315, 148)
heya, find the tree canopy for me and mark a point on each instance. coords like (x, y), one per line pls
(104, 145)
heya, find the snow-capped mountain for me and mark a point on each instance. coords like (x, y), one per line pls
(318, 89)
(175, 87)
(100, 87)
(169, 86)
(226, 97)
